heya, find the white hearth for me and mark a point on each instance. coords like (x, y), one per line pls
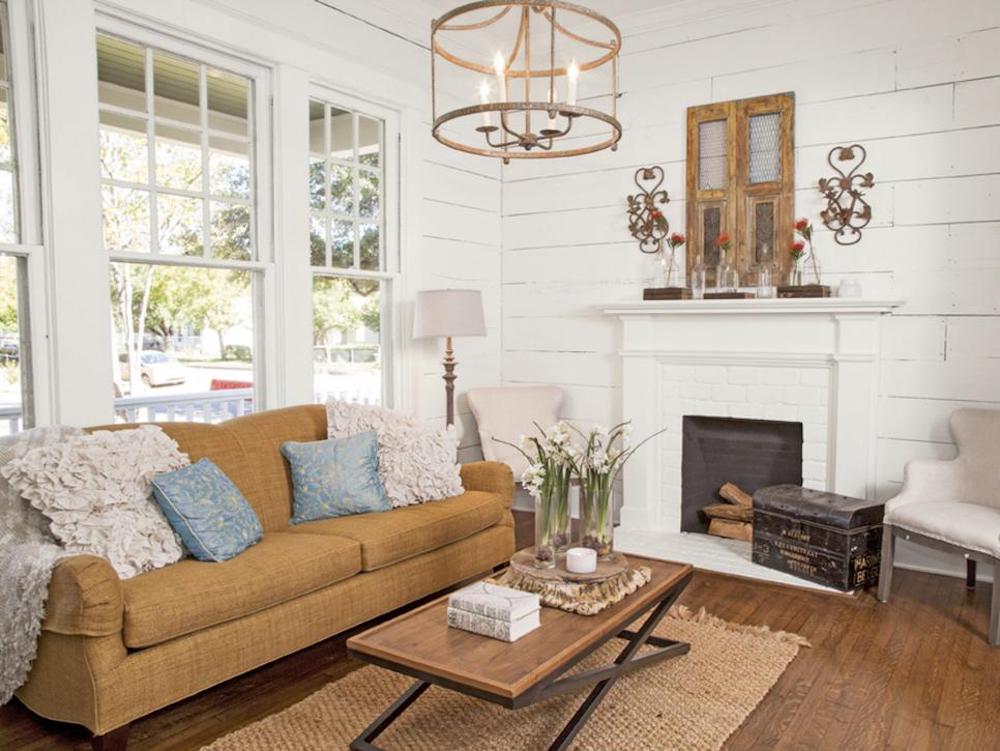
(813, 361)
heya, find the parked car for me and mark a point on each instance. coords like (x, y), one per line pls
(156, 368)
(346, 358)
(10, 349)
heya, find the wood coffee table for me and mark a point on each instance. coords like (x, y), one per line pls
(421, 644)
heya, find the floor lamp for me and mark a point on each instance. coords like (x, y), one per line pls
(449, 313)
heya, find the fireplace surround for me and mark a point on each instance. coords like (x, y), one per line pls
(814, 362)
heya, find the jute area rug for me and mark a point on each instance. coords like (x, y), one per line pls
(691, 702)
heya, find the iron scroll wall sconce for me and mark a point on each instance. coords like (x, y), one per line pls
(846, 212)
(646, 222)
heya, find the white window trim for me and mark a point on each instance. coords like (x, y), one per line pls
(22, 72)
(391, 273)
(268, 351)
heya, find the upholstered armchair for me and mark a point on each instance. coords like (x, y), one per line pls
(953, 505)
(508, 412)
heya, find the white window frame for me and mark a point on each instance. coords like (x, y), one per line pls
(22, 74)
(267, 351)
(389, 244)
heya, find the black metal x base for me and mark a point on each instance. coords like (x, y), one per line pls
(604, 677)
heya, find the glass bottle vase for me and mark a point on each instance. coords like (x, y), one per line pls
(668, 261)
(597, 514)
(552, 518)
(726, 278)
(698, 281)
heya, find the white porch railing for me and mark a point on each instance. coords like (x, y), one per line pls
(203, 406)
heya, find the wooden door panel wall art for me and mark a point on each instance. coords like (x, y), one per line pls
(740, 181)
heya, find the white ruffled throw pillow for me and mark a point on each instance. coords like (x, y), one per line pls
(95, 490)
(416, 462)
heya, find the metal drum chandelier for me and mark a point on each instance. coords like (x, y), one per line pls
(528, 60)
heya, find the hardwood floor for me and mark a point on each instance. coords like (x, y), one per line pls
(914, 674)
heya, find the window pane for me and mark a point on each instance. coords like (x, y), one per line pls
(711, 228)
(317, 182)
(347, 358)
(370, 198)
(369, 141)
(14, 362)
(763, 232)
(8, 209)
(124, 148)
(368, 240)
(317, 240)
(191, 354)
(765, 154)
(121, 73)
(178, 158)
(6, 152)
(341, 134)
(125, 219)
(342, 244)
(341, 189)
(712, 161)
(177, 86)
(180, 221)
(231, 234)
(229, 168)
(228, 98)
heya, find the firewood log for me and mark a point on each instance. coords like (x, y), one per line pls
(736, 495)
(728, 511)
(731, 529)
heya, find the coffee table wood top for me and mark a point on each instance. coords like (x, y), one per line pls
(420, 642)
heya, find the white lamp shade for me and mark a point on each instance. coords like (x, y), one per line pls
(449, 312)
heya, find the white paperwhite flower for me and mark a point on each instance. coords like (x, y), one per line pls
(533, 479)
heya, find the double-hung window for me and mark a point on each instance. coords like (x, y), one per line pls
(21, 255)
(351, 250)
(182, 226)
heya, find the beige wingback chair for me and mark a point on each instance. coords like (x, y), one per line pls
(508, 412)
(953, 505)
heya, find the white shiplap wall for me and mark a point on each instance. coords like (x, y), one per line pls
(916, 81)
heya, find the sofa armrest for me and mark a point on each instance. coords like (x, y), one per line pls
(490, 477)
(928, 480)
(85, 598)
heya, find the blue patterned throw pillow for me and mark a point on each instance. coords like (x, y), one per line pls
(335, 477)
(211, 516)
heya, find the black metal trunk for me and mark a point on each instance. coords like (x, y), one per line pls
(826, 538)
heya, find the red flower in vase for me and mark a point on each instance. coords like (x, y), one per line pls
(797, 250)
(723, 241)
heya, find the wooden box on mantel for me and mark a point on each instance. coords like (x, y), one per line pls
(826, 538)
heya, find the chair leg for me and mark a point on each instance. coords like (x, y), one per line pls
(885, 567)
(970, 573)
(995, 607)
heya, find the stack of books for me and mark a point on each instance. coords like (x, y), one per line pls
(491, 610)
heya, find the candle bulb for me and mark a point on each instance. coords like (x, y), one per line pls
(484, 98)
(572, 77)
(499, 65)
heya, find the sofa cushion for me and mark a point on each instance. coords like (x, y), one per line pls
(192, 595)
(392, 536)
(967, 525)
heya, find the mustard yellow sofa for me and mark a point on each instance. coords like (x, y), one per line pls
(112, 651)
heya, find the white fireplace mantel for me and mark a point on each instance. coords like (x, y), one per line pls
(809, 360)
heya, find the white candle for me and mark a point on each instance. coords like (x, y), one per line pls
(581, 560)
(499, 65)
(484, 98)
(572, 77)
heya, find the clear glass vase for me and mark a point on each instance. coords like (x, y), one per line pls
(765, 282)
(552, 518)
(670, 272)
(726, 278)
(597, 514)
(795, 274)
(812, 273)
(698, 281)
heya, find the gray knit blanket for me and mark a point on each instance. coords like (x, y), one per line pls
(28, 554)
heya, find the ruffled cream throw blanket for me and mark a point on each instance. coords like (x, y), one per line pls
(64, 492)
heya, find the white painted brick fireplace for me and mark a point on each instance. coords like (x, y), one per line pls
(813, 361)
